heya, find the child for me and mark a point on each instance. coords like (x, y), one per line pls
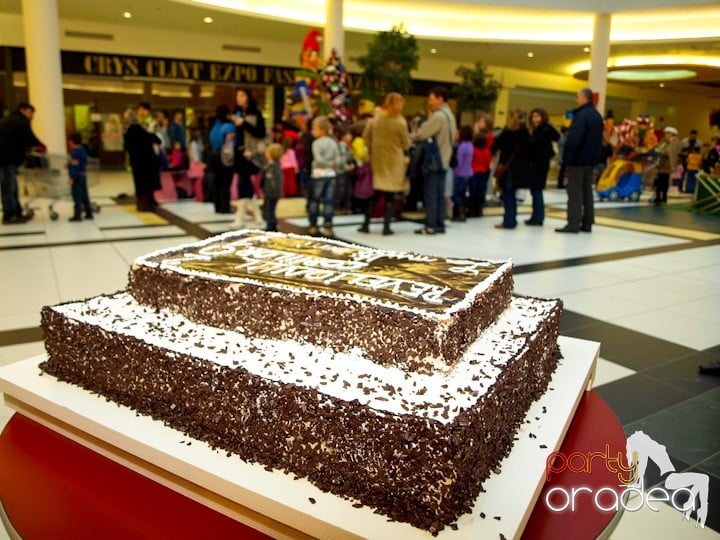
(346, 165)
(481, 161)
(271, 180)
(462, 173)
(322, 178)
(196, 167)
(694, 163)
(289, 167)
(77, 169)
(176, 157)
(361, 187)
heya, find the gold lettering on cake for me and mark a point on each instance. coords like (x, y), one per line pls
(293, 263)
(469, 267)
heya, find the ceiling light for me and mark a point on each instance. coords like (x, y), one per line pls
(649, 74)
(531, 54)
(662, 85)
(586, 49)
(207, 20)
(433, 51)
(538, 25)
(127, 15)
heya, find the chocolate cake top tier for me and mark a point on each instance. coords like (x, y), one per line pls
(349, 376)
(431, 286)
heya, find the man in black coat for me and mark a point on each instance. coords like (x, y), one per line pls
(583, 150)
(16, 138)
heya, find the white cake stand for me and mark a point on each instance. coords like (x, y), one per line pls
(273, 502)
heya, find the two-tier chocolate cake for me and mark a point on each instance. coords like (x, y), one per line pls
(394, 379)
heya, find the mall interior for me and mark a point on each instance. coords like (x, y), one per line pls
(644, 283)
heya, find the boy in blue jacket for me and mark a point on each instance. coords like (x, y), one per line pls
(77, 169)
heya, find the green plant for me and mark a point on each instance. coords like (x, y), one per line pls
(476, 90)
(387, 65)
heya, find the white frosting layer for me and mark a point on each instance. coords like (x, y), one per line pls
(346, 376)
(333, 270)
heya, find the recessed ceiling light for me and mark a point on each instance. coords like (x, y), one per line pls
(662, 85)
(208, 20)
(531, 54)
(586, 49)
(433, 51)
(127, 15)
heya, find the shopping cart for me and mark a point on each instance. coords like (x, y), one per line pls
(46, 177)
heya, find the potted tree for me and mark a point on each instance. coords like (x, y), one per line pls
(387, 65)
(476, 91)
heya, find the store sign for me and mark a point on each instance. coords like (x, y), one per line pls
(111, 65)
(124, 66)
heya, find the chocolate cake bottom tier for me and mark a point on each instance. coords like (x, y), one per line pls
(415, 447)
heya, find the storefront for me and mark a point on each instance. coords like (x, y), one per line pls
(98, 87)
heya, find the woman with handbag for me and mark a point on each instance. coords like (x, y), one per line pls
(511, 171)
(388, 139)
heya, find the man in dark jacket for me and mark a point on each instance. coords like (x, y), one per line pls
(583, 150)
(16, 138)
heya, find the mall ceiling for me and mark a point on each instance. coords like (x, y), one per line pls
(184, 16)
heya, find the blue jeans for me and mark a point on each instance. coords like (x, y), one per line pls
(8, 184)
(460, 187)
(270, 213)
(434, 187)
(80, 195)
(538, 206)
(478, 185)
(322, 191)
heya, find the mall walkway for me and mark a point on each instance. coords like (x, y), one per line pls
(644, 283)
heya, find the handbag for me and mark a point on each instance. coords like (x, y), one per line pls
(227, 153)
(501, 169)
(363, 184)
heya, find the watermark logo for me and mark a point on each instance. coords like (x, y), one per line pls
(687, 492)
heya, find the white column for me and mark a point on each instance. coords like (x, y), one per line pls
(600, 52)
(334, 37)
(44, 73)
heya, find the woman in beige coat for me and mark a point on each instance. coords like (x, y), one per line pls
(387, 139)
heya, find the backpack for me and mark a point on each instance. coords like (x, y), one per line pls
(431, 159)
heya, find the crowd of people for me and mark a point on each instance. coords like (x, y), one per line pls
(376, 166)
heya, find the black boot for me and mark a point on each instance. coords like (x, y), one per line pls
(455, 213)
(389, 211)
(473, 209)
(369, 207)
(461, 213)
(76, 217)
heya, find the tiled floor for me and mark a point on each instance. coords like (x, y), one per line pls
(644, 283)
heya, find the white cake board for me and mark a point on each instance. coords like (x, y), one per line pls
(273, 502)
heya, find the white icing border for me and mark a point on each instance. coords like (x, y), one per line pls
(445, 315)
(341, 375)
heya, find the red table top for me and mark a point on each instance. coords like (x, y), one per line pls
(53, 487)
